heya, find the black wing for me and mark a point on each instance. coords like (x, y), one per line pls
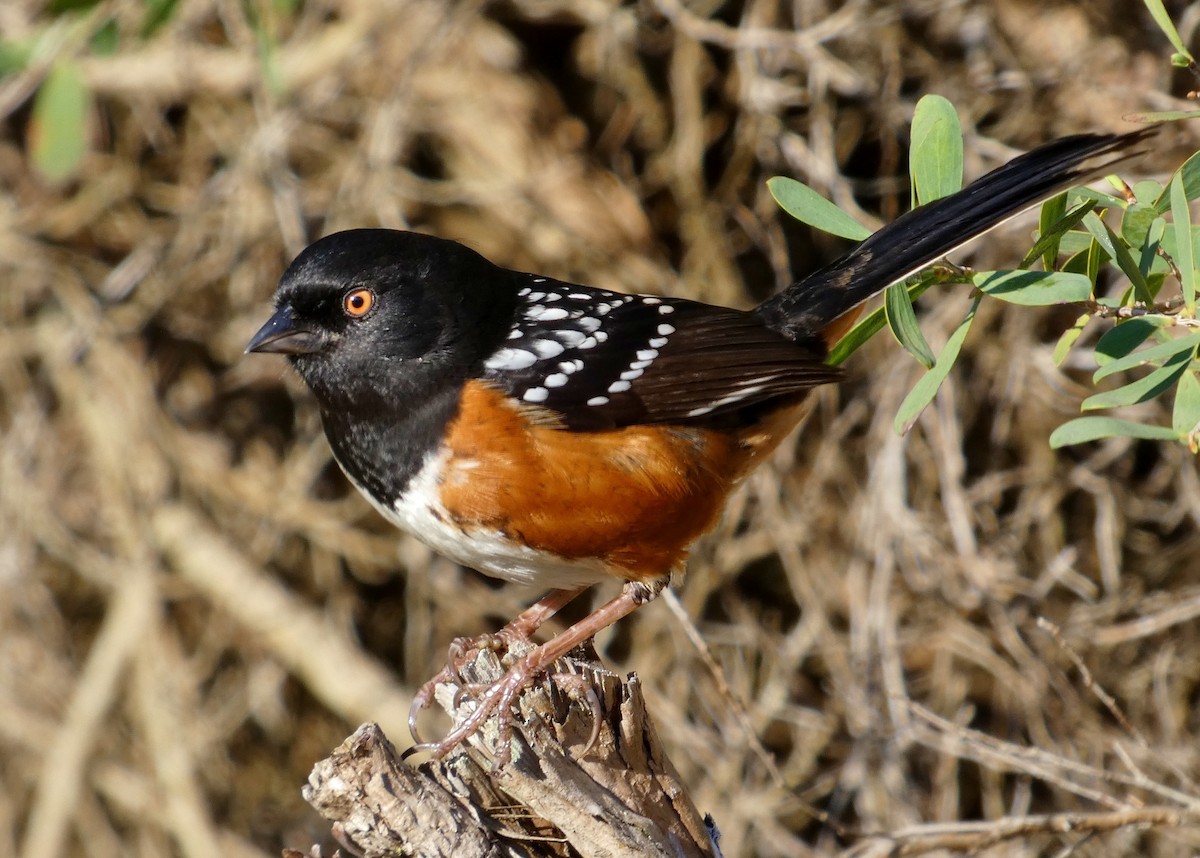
(600, 359)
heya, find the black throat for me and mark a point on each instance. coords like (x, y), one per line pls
(381, 450)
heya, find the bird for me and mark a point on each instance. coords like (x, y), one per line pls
(558, 435)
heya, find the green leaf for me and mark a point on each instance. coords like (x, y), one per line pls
(872, 324)
(1184, 259)
(1160, 16)
(15, 56)
(936, 157)
(807, 206)
(106, 40)
(1146, 192)
(1119, 253)
(59, 7)
(1069, 337)
(157, 13)
(1126, 336)
(1077, 262)
(1103, 200)
(1161, 116)
(1189, 174)
(1076, 241)
(1055, 223)
(1135, 224)
(903, 322)
(1083, 429)
(1033, 288)
(1096, 256)
(1149, 262)
(1185, 418)
(1144, 389)
(927, 386)
(58, 126)
(1049, 236)
(268, 58)
(1154, 354)
(857, 336)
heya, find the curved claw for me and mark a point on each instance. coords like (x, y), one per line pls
(418, 748)
(457, 654)
(500, 696)
(422, 701)
(461, 649)
(579, 687)
(597, 720)
(460, 694)
(497, 698)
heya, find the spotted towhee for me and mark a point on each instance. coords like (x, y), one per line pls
(558, 435)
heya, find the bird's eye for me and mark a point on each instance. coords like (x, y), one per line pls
(358, 302)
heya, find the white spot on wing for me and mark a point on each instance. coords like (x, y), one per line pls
(726, 400)
(618, 387)
(547, 348)
(666, 309)
(666, 330)
(536, 394)
(569, 337)
(507, 358)
(598, 400)
(647, 354)
(547, 314)
(557, 379)
(657, 342)
(631, 374)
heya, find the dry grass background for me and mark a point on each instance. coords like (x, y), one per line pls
(194, 607)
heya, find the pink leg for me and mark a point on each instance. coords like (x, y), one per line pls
(500, 696)
(530, 620)
(525, 624)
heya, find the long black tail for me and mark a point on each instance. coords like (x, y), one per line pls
(924, 235)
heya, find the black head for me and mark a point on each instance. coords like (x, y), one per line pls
(374, 316)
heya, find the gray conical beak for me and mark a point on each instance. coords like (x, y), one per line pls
(284, 335)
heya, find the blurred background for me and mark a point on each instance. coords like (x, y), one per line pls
(955, 625)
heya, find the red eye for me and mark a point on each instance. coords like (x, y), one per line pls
(358, 303)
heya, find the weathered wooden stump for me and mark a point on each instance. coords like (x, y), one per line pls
(620, 798)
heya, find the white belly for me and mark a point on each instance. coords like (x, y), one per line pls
(420, 512)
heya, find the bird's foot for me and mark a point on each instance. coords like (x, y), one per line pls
(460, 652)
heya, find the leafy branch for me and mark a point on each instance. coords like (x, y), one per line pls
(1143, 234)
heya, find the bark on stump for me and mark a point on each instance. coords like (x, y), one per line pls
(623, 798)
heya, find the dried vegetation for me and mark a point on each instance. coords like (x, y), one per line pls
(929, 634)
